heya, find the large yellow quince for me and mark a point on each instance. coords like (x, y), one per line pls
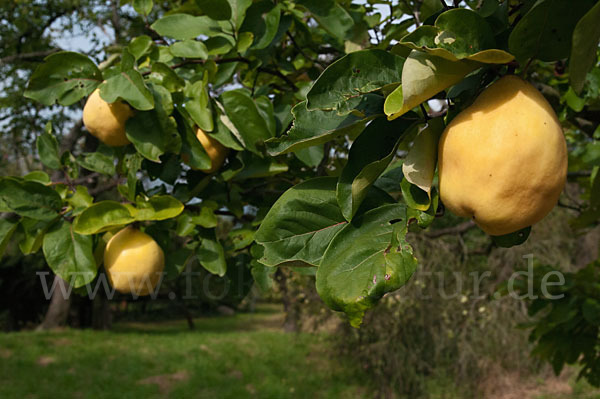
(106, 121)
(133, 262)
(503, 160)
(214, 149)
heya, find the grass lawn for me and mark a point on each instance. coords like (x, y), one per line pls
(241, 356)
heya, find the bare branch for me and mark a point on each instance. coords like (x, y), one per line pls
(33, 56)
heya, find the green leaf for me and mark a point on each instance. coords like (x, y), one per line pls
(247, 118)
(97, 162)
(219, 45)
(330, 15)
(351, 76)
(176, 261)
(317, 127)
(64, 77)
(47, 147)
(139, 46)
(142, 6)
(423, 218)
(70, 255)
(201, 114)
(415, 197)
(32, 234)
(80, 200)
(103, 216)
(244, 41)
(192, 151)
(583, 49)
(255, 167)
(38, 176)
(458, 34)
(262, 20)
(419, 165)
(301, 223)
(211, 255)
(545, 32)
(369, 156)
(185, 26)
(263, 276)
(7, 228)
(311, 156)
(30, 199)
(463, 32)
(238, 11)
(241, 238)
(163, 75)
(365, 260)
(129, 86)
(189, 49)
(158, 207)
(219, 10)
(512, 239)
(150, 134)
(423, 76)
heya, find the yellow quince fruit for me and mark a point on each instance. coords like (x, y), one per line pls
(503, 160)
(106, 121)
(133, 262)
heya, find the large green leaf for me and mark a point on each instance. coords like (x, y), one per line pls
(423, 76)
(331, 16)
(129, 86)
(365, 260)
(583, 50)
(369, 156)
(262, 20)
(192, 151)
(150, 134)
(419, 164)
(103, 216)
(31, 234)
(210, 253)
(351, 76)
(47, 147)
(216, 9)
(238, 11)
(163, 75)
(143, 6)
(458, 34)
(248, 119)
(29, 198)
(158, 207)
(189, 49)
(317, 127)
(256, 167)
(301, 223)
(139, 46)
(70, 255)
(64, 77)
(185, 26)
(545, 32)
(97, 162)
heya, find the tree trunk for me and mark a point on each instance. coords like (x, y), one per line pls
(101, 314)
(58, 311)
(290, 324)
